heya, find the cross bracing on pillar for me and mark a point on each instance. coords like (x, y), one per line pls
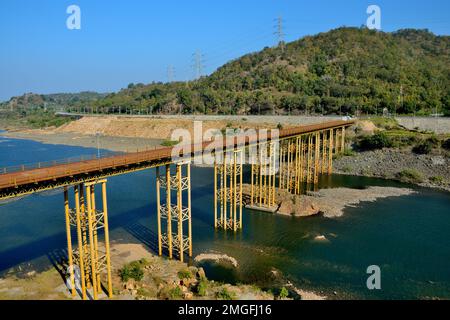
(228, 179)
(174, 208)
(175, 242)
(87, 256)
(173, 187)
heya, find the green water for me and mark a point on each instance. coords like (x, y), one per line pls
(408, 237)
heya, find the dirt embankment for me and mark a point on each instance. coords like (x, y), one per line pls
(149, 128)
(131, 134)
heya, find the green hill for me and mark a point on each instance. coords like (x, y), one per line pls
(341, 71)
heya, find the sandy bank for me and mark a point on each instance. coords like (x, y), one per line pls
(330, 202)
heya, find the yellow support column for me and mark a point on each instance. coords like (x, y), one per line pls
(317, 158)
(308, 170)
(302, 159)
(343, 140)
(252, 182)
(91, 242)
(324, 151)
(106, 227)
(180, 214)
(169, 209)
(330, 152)
(158, 210)
(235, 192)
(274, 175)
(69, 240)
(240, 188)
(215, 194)
(189, 208)
(80, 243)
(94, 224)
(224, 193)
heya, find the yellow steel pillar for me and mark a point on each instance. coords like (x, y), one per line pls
(302, 159)
(324, 151)
(330, 151)
(241, 169)
(80, 242)
(189, 208)
(106, 230)
(309, 165)
(215, 193)
(224, 193)
(69, 240)
(252, 184)
(343, 140)
(180, 214)
(158, 209)
(316, 158)
(94, 224)
(169, 210)
(176, 212)
(230, 192)
(91, 243)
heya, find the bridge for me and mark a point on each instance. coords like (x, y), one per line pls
(288, 160)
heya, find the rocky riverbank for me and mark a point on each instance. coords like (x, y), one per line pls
(400, 164)
(139, 275)
(329, 202)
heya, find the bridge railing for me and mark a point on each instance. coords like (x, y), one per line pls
(52, 163)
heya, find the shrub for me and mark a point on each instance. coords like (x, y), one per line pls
(185, 274)
(446, 144)
(410, 176)
(132, 270)
(437, 180)
(349, 153)
(224, 294)
(423, 148)
(201, 287)
(169, 143)
(377, 141)
(279, 126)
(347, 169)
(176, 293)
(284, 293)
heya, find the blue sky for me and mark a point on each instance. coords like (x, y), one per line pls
(125, 41)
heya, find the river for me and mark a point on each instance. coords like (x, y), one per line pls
(408, 237)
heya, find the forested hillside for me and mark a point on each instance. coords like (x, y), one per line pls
(341, 71)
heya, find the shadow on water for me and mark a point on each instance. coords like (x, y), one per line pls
(54, 247)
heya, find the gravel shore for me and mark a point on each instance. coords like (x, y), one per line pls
(388, 163)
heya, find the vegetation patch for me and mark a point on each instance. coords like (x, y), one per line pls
(409, 176)
(225, 294)
(169, 143)
(201, 287)
(185, 274)
(283, 294)
(377, 141)
(133, 270)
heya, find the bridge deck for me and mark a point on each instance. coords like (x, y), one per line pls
(66, 174)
